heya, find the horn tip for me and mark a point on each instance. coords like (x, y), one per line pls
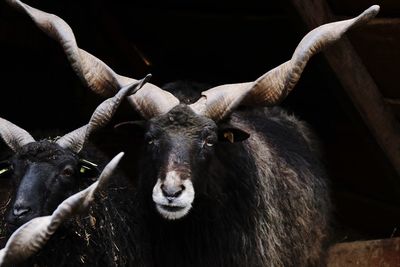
(118, 157)
(141, 83)
(372, 11)
(145, 80)
(375, 9)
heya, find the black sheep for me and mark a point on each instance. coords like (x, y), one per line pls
(219, 182)
(46, 172)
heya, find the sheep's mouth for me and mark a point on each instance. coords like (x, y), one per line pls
(173, 212)
(176, 207)
(171, 208)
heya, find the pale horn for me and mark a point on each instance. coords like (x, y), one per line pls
(14, 136)
(100, 78)
(100, 117)
(276, 84)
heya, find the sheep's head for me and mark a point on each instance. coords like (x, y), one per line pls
(48, 171)
(43, 174)
(177, 149)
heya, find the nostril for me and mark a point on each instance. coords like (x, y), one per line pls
(21, 211)
(171, 192)
(177, 193)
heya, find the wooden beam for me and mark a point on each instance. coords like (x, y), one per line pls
(372, 253)
(356, 81)
(394, 105)
(383, 63)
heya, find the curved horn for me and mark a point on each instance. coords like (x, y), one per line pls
(14, 136)
(96, 75)
(33, 235)
(100, 117)
(275, 85)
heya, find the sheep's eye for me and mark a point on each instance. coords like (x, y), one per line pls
(68, 171)
(208, 142)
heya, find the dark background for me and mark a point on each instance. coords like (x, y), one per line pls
(216, 43)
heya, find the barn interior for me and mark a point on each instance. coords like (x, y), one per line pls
(348, 94)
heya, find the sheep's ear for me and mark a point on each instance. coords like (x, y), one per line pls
(232, 134)
(136, 128)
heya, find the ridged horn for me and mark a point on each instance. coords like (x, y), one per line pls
(100, 117)
(276, 84)
(14, 136)
(95, 74)
(33, 235)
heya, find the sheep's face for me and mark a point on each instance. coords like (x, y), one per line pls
(178, 147)
(44, 174)
(180, 143)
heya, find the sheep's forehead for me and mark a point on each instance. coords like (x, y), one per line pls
(182, 119)
(45, 151)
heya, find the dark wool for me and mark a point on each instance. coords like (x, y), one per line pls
(260, 202)
(100, 238)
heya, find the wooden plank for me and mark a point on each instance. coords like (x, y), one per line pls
(394, 105)
(383, 63)
(371, 253)
(356, 81)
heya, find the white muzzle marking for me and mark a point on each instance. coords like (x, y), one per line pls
(179, 206)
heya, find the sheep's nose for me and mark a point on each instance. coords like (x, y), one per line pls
(171, 192)
(21, 211)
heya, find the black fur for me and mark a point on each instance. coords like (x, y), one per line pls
(260, 202)
(100, 238)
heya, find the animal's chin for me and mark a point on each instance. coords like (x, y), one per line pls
(170, 212)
